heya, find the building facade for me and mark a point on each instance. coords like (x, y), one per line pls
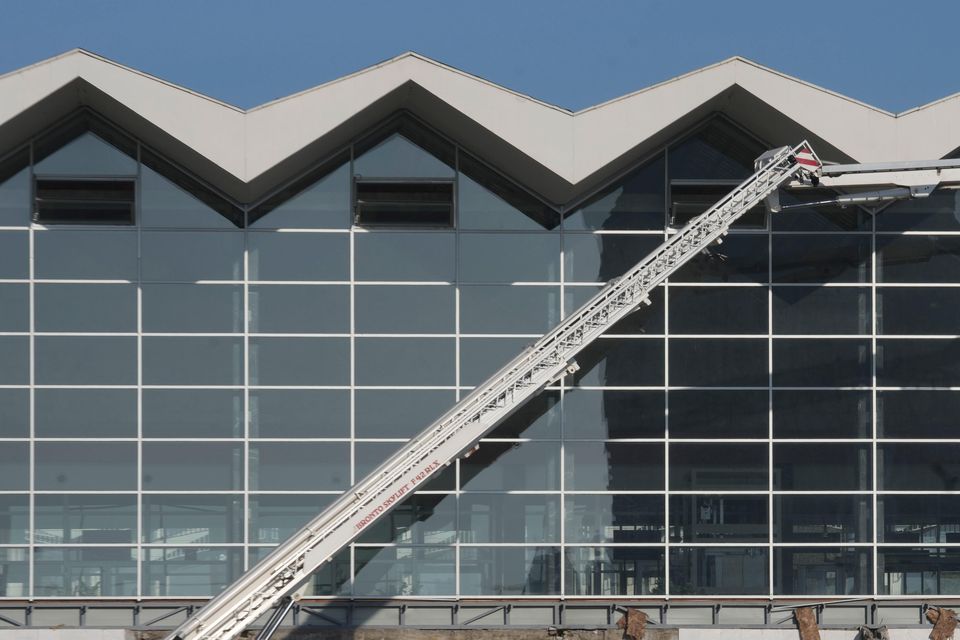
(193, 365)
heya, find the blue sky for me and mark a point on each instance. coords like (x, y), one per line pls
(895, 55)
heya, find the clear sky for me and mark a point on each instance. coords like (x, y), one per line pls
(892, 54)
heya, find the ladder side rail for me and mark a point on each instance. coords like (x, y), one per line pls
(282, 570)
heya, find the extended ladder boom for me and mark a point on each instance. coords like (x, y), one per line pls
(456, 433)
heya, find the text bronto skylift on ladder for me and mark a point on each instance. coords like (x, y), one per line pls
(277, 577)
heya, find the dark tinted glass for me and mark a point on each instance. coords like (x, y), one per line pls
(616, 571)
(741, 258)
(14, 307)
(520, 257)
(190, 571)
(509, 571)
(15, 190)
(919, 519)
(719, 150)
(420, 519)
(192, 308)
(382, 413)
(821, 414)
(14, 413)
(299, 361)
(635, 201)
(718, 467)
(719, 414)
(830, 217)
(507, 309)
(821, 258)
(621, 362)
(300, 466)
(620, 466)
(192, 413)
(401, 204)
(718, 518)
(380, 572)
(918, 258)
(812, 310)
(84, 201)
(77, 255)
(405, 256)
(172, 519)
(822, 571)
(504, 466)
(188, 256)
(85, 466)
(85, 360)
(15, 355)
(85, 307)
(86, 413)
(274, 518)
(283, 308)
(298, 256)
(15, 466)
(299, 413)
(72, 518)
(613, 518)
(918, 571)
(919, 467)
(14, 519)
(316, 203)
(708, 310)
(645, 319)
(205, 360)
(688, 199)
(918, 414)
(482, 357)
(202, 466)
(602, 257)
(693, 570)
(14, 254)
(538, 418)
(487, 200)
(927, 310)
(822, 467)
(918, 363)
(509, 518)
(822, 518)
(594, 414)
(707, 362)
(405, 361)
(937, 212)
(67, 572)
(405, 309)
(821, 363)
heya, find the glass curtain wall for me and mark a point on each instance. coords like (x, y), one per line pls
(179, 395)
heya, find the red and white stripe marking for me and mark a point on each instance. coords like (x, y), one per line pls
(807, 159)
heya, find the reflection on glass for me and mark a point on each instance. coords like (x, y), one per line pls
(718, 362)
(403, 571)
(324, 204)
(85, 466)
(398, 157)
(595, 414)
(14, 519)
(15, 466)
(700, 413)
(202, 466)
(710, 310)
(486, 200)
(718, 518)
(299, 413)
(940, 211)
(15, 565)
(84, 519)
(616, 571)
(599, 258)
(916, 311)
(919, 519)
(719, 571)
(822, 467)
(822, 518)
(919, 466)
(821, 414)
(387, 413)
(621, 362)
(85, 413)
(300, 466)
(274, 518)
(502, 466)
(90, 572)
(419, 519)
(538, 418)
(633, 202)
(917, 414)
(718, 466)
(916, 571)
(186, 519)
(190, 571)
(285, 308)
(621, 466)
(822, 571)
(509, 571)
(509, 518)
(84, 360)
(613, 518)
(719, 150)
(815, 310)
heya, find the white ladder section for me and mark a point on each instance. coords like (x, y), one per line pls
(457, 432)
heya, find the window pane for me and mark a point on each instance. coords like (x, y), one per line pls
(741, 258)
(367, 456)
(620, 466)
(299, 361)
(589, 413)
(719, 414)
(927, 310)
(509, 518)
(822, 518)
(480, 358)
(300, 466)
(189, 256)
(690, 198)
(822, 467)
(192, 361)
(15, 466)
(918, 363)
(509, 571)
(86, 307)
(84, 519)
(919, 519)
(613, 518)
(288, 413)
(645, 319)
(918, 259)
(633, 202)
(520, 257)
(405, 361)
(85, 360)
(599, 258)
(201, 466)
(718, 518)
(598, 571)
(400, 256)
(15, 254)
(87, 572)
(15, 195)
(404, 571)
(15, 356)
(15, 566)
(813, 310)
(919, 467)
(299, 308)
(163, 204)
(719, 570)
(821, 258)
(404, 309)
(504, 466)
(821, 414)
(190, 571)
(383, 413)
(818, 571)
(325, 204)
(169, 308)
(299, 256)
(87, 155)
(939, 211)
(86, 413)
(486, 200)
(332, 578)
(85, 466)
(821, 363)
(420, 519)
(15, 307)
(917, 414)
(735, 467)
(505, 309)
(274, 518)
(84, 255)
(185, 519)
(192, 413)
(720, 150)
(539, 418)
(718, 362)
(708, 310)
(14, 413)
(621, 362)
(397, 156)
(831, 217)
(917, 571)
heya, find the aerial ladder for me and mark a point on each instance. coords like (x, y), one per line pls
(274, 583)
